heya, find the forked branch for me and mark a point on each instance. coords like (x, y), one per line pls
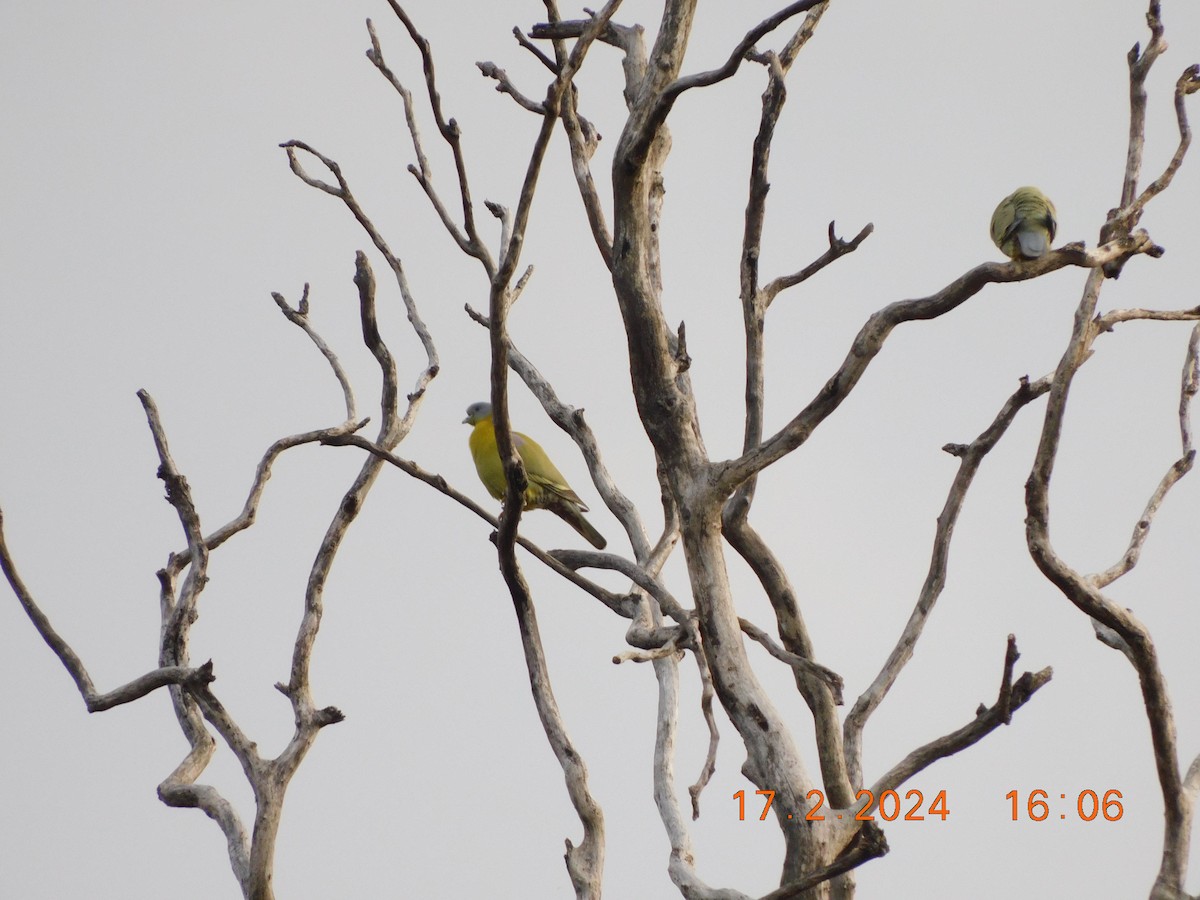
(1011, 697)
(970, 457)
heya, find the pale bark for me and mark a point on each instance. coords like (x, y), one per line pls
(706, 503)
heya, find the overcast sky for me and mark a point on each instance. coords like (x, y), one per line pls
(147, 215)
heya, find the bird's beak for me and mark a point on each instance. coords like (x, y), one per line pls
(467, 420)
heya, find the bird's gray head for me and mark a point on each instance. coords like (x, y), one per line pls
(477, 412)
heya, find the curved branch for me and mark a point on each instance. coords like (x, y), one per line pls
(449, 130)
(1087, 597)
(1012, 696)
(504, 85)
(1122, 219)
(616, 603)
(970, 458)
(163, 676)
(405, 422)
(1189, 385)
(178, 612)
(838, 247)
(871, 337)
(1139, 68)
(681, 866)
(802, 666)
(299, 317)
(649, 127)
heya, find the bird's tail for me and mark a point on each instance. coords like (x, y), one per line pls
(1033, 242)
(570, 514)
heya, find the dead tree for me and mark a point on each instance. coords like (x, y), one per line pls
(707, 503)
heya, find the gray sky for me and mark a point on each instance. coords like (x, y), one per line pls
(148, 214)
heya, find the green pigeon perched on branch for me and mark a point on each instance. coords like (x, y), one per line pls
(547, 489)
(1023, 225)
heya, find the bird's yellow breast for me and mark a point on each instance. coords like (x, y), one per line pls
(487, 458)
(546, 483)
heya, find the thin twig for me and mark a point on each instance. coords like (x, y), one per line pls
(710, 720)
(1106, 321)
(448, 129)
(299, 317)
(837, 249)
(1012, 696)
(970, 458)
(651, 123)
(1179, 468)
(93, 701)
(405, 422)
(830, 678)
(504, 85)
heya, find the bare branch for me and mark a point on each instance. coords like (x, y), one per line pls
(617, 604)
(731, 65)
(873, 334)
(1087, 597)
(178, 611)
(970, 458)
(405, 422)
(514, 471)
(535, 50)
(681, 863)
(1012, 696)
(822, 696)
(262, 474)
(178, 623)
(465, 237)
(163, 676)
(1108, 320)
(348, 509)
(627, 38)
(680, 866)
(1183, 465)
(867, 844)
(552, 106)
(807, 28)
(299, 318)
(583, 140)
(802, 666)
(582, 137)
(1189, 387)
(710, 720)
(837, 249)
(449, 131)
(755, 301)
(1188, 83)
(613, 34)
(179, 790)
(1139, 68)
(650, 124)
(502, 214)
(504, 85)
(73, 664)
(375, 56)
(1122, 219)
(584, 862)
